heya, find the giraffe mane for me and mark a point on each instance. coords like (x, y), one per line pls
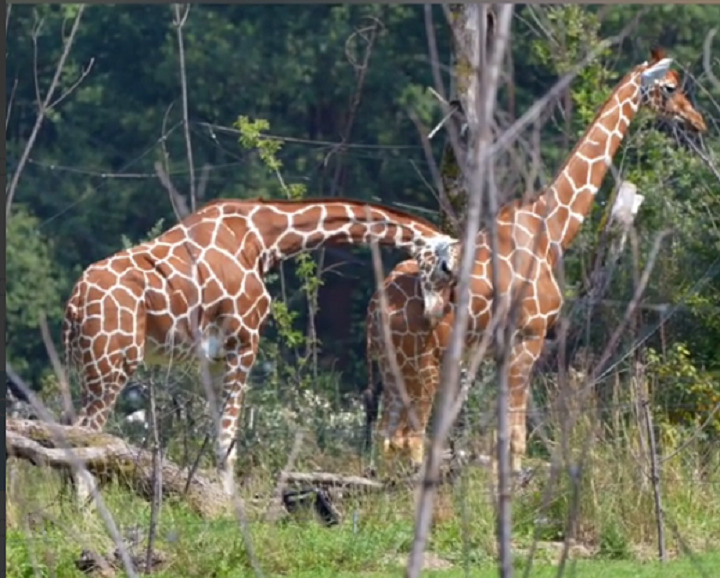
(320, 200)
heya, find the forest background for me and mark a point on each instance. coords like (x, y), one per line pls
(336, 95)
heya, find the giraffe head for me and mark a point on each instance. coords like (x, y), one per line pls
(662, 92)
(438, 261)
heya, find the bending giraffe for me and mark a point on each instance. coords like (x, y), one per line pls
(532, 237)
(198, 289)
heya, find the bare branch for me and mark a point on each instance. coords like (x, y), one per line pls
(480, 129)
(70, 458)
(707, 67)
(179, 22)
(399, 382)
(533, 113)
(157, 478)
(68, 410)
(274, 510)
(10, 102)
(85, 71)
(176, 199)
(43, 108)
(433, 50)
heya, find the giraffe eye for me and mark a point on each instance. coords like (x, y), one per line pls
(669, 88)
(445, 268)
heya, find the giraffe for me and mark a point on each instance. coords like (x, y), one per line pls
(532, 237)
(198, 289)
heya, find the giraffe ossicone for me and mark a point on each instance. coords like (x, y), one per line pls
(198, 290)
(533, 236)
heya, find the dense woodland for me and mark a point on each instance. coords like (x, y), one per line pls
(342, 90)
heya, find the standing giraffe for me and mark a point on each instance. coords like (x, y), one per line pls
(198, 289)
(532, 237)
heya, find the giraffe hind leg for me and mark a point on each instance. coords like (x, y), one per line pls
(238, 368)
(102, 384)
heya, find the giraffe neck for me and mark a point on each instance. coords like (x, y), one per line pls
(569, 199)
(287, 228)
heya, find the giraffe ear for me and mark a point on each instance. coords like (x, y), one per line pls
(657, 53)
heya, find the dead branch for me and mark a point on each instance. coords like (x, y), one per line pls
(479, 117)
(179, 22)
(107, 457)
(43, 108)
(707, 48)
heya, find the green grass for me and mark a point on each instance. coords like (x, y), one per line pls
(46, 533)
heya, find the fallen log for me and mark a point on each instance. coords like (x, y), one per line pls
(108, 457)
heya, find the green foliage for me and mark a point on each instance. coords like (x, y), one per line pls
(575, 32)
(154, 232)
(306, 271)
(32, 290)
(300, 79)
(684, 393)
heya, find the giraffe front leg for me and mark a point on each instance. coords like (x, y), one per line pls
(234, 386)
(522, 360)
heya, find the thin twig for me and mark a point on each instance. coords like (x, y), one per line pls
(43, 108)
(11, 100)
(485, 103)
(179, 22)
(398, 381)
(78, 468)
(707, 50)
(275, 506)
(156, 503)
(68, 411)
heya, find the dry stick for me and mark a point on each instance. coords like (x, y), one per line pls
(450, 127)
(361, 71)
(433, 50)
(179, 23)
(43, 108)
(655, 473)
(156, 503)
(440, 193)
(398, 381)
(68, 410)
(340, 151)
(502, 333)
(450, 371)
(274, 508)
(77, 466)
(11, 100)
(707, 47)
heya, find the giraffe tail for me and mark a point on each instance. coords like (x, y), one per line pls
(71, 322)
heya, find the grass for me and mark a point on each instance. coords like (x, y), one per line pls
(44, 532)
(615, 531)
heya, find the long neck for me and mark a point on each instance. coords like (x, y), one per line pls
(287, 228)
(570, 197)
